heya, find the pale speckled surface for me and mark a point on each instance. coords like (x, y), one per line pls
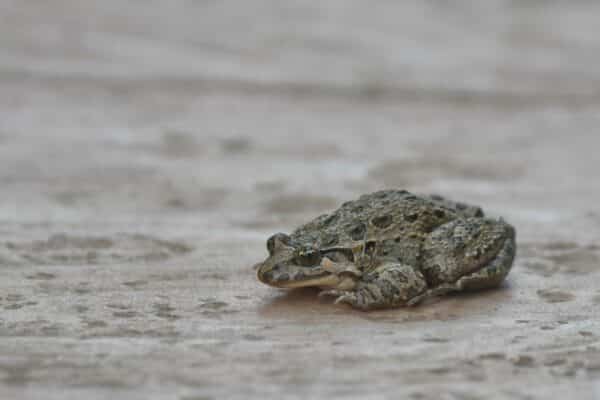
(148, 152)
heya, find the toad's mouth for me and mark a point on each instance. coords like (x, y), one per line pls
(295, 279)
(326, 274)
(324, 279)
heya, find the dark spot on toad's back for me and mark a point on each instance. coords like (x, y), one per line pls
(330, 239)
(357, 232)
(383, 221)
(330, 219)
(411, 217)
(439, 214)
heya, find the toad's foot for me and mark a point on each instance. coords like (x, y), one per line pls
(332, 293)
(342, 296)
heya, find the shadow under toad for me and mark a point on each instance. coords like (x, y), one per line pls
(305, 301)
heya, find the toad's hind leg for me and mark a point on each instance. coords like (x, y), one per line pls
(389, 285)
(490, 275)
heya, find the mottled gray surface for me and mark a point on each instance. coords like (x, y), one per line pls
(149, 148)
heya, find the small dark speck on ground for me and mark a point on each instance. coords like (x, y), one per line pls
(555, 295)
(523, 361)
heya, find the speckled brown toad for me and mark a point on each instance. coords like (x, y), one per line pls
(392, 248)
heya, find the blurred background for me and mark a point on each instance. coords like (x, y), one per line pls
(149, 148)
(193, 106)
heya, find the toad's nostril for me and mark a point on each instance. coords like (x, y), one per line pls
(266, 276)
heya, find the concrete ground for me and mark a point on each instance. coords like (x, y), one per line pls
(149, 149)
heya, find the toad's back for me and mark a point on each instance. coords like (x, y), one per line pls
(381, 215)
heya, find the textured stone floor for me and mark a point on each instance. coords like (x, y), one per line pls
(148, 149)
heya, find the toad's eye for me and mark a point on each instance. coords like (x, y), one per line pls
(308, 258)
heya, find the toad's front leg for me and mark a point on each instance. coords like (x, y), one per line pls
(389, 285)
